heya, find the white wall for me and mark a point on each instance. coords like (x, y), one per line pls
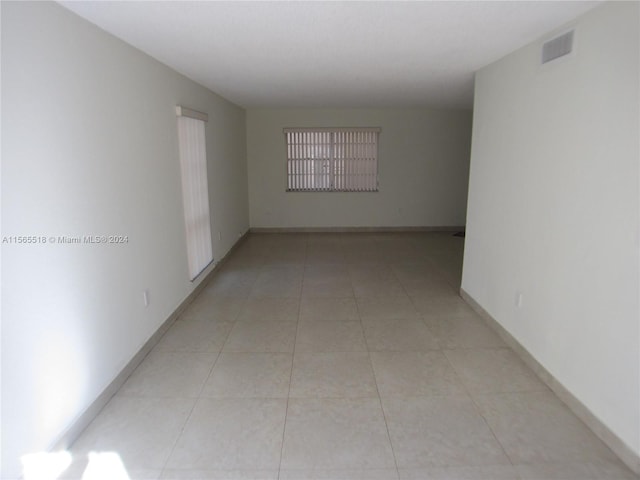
(423, 170)
(89, 147)
(553, 210)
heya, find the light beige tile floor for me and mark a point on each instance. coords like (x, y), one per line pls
(340, 357)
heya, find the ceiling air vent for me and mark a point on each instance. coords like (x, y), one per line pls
(558, 47)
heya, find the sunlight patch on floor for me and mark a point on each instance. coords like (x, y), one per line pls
(50, 465)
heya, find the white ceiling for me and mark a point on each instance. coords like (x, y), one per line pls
(331, 54)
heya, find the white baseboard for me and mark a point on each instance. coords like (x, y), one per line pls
(604, 433)
(354, 229)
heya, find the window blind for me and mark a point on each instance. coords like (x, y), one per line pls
(332, 159)
(195, 189)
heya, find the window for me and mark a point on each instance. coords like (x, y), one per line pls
(332, 159)
(195, 188)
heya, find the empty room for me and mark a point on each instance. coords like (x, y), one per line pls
(320, 240)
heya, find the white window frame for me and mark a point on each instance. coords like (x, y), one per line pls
(327, 159)
(195, 189)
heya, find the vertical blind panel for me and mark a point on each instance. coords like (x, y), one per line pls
(332, 160)
(195, 193)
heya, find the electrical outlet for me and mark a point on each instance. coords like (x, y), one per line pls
(519, 297)
(145, 297)
(219, 236)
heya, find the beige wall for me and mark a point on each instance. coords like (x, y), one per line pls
(89, 147)
(553, 210)
(423, 170)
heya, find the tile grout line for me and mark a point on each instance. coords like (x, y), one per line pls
(295, 339)
(384, 415)
(455, 372)
(478, 410)
(441, 349)
(198, 397)
(184, 425)
(445, 268)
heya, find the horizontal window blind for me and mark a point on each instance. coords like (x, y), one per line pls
(332, 159)
(195, 191)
